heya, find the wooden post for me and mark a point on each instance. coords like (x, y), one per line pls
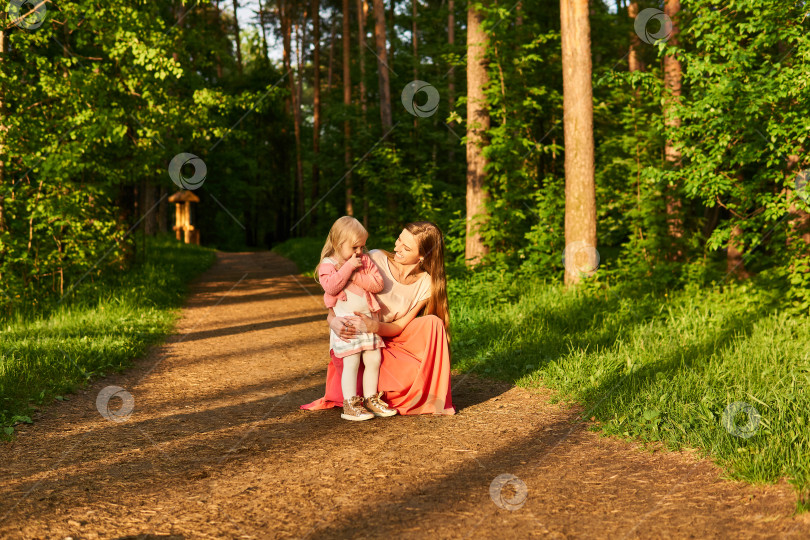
(183, 229)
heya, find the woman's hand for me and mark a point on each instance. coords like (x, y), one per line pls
(364, 323)
(344, 327)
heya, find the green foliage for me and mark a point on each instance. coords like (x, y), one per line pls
(96, 102)
(100, 330)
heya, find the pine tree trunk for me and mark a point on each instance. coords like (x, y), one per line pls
(391, 33)
(150, 221)
(672, 83)
(300, 35)
(634, 59)
(237, 38)
(414, 42)
(286, 29)
(580, 194)
(331, 68)
(382, 66)
(415, 46)
(347, 101)
(362, 12)
(316, 106)
(3, 127)
(262, 23)
(477, 125)
(451, 75)
(362, 9)
(735, 263)
(163, 210)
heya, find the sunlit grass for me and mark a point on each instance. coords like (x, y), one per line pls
(101, 328)
(653, 367)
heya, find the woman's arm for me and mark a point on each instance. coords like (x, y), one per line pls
(384, 329)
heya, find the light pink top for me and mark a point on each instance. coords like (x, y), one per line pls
(396, 299)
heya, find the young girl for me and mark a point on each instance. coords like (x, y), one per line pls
(350, 279)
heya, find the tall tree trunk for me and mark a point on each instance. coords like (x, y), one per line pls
(384, 82)
(735, 263)
(281, 6)
(451, 75)
(262, 23)
(300, 39)
(362, 12)
(415, 46)
(477, 126)
(163, 210)
(3, 127)
(580, 193)
(382, 66)
(237, 38)
(330, 69)
(285, 17)
(150, 221)
(672, 83)
(634, 59)
(347, 101)
(316, 106)
(362, 9)
(414, 41)
(392, 33)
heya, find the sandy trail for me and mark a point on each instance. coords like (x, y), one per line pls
(217, 448)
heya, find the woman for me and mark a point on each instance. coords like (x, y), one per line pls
(415, 369)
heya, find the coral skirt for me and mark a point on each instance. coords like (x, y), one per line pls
(414, 375)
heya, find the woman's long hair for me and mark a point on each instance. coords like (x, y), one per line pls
(345, 229)
(430, 242)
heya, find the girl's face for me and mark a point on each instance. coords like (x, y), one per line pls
(347, 249)
(406, 250)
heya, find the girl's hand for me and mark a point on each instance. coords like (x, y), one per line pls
(355, 261)
(364, 323)
(342, 326)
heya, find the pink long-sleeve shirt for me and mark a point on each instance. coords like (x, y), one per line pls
(365, 281)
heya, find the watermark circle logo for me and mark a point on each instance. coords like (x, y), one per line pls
(580, 258)
(192, 182)
(643, 20)
(409, 99)
(27, 14)
(506, 500)
(103, 403)
(801, 185)
(746, 430)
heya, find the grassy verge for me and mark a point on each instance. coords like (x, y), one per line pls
(102, 327)
(684, 368)
(305, 252)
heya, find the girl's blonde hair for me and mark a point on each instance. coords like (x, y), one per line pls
(345, 229)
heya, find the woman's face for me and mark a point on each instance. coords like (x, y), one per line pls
(406, 251)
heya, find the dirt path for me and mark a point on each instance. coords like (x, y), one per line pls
(216, 447)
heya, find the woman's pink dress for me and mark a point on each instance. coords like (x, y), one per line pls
(414, 375)
(415, 370)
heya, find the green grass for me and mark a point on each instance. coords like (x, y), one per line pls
(305, 252)
(653, 367)
(649, 366)
(101, 328)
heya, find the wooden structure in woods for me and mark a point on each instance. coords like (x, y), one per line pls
(183, 229)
